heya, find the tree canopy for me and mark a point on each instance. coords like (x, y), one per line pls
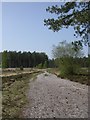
(74, 14)
(14, 59)
(64, 49)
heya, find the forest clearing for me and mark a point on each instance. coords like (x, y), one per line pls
(45, 60)
(32, 90)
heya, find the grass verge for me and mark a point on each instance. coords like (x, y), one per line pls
(14, 95)
(81, 77)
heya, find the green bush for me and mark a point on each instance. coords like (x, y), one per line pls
(68, 67)
(45, 64)
(40, 66)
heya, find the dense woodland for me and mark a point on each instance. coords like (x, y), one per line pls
(13, 59)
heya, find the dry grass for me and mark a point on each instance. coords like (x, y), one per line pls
(14, 94)
(53, 71)
(81, 77)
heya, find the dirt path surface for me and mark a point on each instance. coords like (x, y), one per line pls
(52, 97)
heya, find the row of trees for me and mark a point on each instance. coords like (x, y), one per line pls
(63, 54)
(14, 59)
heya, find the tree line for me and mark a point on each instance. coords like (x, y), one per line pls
(13, 59)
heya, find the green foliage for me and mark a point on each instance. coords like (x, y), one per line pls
(68, 66)
(82, 76)
(4, 59)
(13, 59)
(64, 49)
(74, 14)
(45, 65)
(66, 58)
(40, 66)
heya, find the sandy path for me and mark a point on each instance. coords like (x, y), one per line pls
(52, 97)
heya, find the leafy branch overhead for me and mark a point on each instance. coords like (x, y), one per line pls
(74, 14)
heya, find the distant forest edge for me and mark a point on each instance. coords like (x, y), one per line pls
(13, 59)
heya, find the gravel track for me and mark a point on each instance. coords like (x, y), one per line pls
(53, 97)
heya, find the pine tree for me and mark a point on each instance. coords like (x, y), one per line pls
(76, 14)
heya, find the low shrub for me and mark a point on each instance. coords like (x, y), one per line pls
(68, 67)
(39, 66)
(21, 68)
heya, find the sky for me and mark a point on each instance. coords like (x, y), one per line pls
(23, 28)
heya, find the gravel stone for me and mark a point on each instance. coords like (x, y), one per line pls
(53, 97)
